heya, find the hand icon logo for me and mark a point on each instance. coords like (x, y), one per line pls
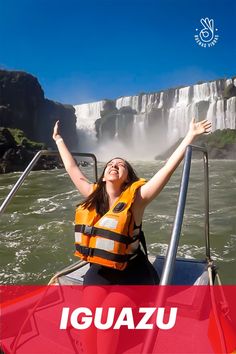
(207, 33)
(207, 36)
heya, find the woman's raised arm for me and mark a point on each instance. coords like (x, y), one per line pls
(76, 175)
(154, 186)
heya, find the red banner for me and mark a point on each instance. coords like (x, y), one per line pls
(118, 319)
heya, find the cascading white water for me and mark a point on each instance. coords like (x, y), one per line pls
(131, 101)
(206, 91)
(201, 92)
(174, 107)
(220, 115)
(86, 115)
(230, 112)
(184, 96)
(178, 119)
(139, 137)
(160, 104)
(211, 114)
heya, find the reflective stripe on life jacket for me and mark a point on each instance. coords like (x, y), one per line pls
(109, 240)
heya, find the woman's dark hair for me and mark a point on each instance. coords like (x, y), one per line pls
(98, 199)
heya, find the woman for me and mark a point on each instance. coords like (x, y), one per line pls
(108, 223)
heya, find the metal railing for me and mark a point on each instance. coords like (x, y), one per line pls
(170, 259)
(168, 268)
(31, 166)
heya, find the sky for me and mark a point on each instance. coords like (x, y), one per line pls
(85, 51)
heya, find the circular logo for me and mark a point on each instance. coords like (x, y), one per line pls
(206, 36)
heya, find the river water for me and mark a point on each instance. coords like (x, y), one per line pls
(37, 227)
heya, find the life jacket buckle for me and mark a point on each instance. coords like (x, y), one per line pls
(87, 251)
(87, 230)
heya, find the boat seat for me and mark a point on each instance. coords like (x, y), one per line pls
(75, 277)
(186, 271)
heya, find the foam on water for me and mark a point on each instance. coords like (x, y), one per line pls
(37, 228)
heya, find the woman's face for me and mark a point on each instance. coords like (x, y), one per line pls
(116, 170)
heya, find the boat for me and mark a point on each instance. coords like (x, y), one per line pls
(193, 281)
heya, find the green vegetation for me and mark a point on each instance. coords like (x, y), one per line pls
(221, 144)
(21, 139)
(220, 138)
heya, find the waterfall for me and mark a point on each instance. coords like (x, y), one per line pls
(220, 115)
(160, 104)
(211, 114)
(86, 115)
(158, 119)
(131, 101)
(230, 113)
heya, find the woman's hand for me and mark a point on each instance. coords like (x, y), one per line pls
(199, 128)
(77, 176)
(56, 131)
(154, 186)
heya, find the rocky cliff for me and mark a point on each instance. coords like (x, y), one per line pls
(23, 106)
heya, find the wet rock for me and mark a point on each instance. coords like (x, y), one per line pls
(23, 106)
(16, 152)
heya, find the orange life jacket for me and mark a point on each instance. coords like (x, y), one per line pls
(111, 239)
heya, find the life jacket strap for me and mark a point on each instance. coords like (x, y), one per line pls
(92, 231)
(143, 242)
(95, 252)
